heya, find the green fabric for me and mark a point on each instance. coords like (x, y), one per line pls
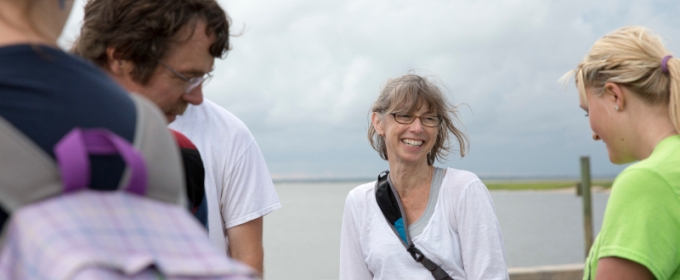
(642, 220)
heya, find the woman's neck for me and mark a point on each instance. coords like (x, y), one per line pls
(650, 126)
(651, 135)
(16, 29)
(408, 177)
(13, 38)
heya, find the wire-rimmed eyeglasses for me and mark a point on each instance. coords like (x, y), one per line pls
(192, 83)
(428, 120)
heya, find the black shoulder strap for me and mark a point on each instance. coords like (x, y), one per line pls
(391, 207)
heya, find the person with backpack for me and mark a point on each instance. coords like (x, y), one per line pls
(165, 51)
(418, 221)
(629, 86)
(91, 183)
(46, 92)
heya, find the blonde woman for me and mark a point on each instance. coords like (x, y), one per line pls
(629, 87)
(419, 221)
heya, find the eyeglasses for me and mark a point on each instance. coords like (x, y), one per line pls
(192, 83)
(429, 121)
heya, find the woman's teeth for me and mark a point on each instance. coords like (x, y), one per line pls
(412, 143)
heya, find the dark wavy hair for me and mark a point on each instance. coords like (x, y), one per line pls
(142, 31)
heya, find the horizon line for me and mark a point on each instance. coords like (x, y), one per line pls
(483, 178)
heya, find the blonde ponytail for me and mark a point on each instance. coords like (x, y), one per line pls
(633, 57)
(673, 66)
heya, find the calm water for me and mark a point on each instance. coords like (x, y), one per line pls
(302, 239)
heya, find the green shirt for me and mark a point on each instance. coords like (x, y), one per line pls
(642, 220)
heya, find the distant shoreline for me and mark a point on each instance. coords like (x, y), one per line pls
(538, 184)
(324, 180)
(485, 179)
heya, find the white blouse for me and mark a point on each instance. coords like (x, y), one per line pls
(462, 235)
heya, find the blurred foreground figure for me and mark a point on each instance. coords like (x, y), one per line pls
(629, 86)
(165, 50)
(90, 178)
(419, 221)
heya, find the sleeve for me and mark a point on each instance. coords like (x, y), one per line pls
(248, 191)
(352, 264)
(641, 222)
(480, 235)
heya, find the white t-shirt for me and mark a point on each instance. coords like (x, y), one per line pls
(462, 236)
(238, 186)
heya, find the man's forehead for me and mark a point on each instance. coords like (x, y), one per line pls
(188, 31)
(191, 54)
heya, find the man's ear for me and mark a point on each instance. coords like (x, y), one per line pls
(117, 66)
(616, 94)
(377, 123)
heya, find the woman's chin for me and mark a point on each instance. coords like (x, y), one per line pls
(412, 159)
(613, 158)
(617, 159)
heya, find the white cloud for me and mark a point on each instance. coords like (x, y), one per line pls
(303, 74)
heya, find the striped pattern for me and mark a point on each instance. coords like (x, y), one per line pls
(109, 235)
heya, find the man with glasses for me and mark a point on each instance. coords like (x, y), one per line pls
(164, 50)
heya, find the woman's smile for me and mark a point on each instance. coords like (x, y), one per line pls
(412, 142)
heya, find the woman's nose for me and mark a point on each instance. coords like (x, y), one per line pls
(416, 126)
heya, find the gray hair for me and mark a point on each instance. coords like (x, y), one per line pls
(407, 94)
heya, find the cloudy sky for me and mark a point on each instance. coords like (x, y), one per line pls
(303, 74)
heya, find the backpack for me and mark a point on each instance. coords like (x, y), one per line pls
(58, 229)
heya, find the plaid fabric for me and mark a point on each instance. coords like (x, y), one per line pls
(110, 235)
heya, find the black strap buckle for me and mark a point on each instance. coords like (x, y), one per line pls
(415, 253)
(383, 175)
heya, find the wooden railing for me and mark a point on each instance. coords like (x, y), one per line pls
(553, 272)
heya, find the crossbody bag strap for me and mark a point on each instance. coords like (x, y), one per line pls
(391, 207)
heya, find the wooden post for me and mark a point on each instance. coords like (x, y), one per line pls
(587, 203)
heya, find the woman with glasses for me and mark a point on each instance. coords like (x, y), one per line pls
(629, 86)
(419, 221)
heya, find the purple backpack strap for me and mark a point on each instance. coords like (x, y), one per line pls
(73, 150)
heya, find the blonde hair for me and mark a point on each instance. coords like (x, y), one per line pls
(632, 57)
(407, 94)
